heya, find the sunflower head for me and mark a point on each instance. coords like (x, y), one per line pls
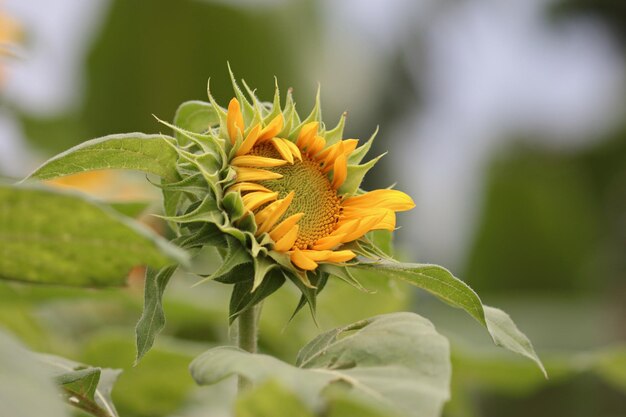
(277, 194)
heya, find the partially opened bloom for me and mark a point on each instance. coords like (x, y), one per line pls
(281, 194)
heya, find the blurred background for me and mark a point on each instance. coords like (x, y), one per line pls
(505, 120)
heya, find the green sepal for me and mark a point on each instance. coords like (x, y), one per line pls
(343, 273)
(238, 274)
(247, 223)
(221, 112)
(314, 116)
(276, 109)
(355, 176)
(292, 119)
(336, 134)
(368, 249)
(317, 280)
(258, 107)
(206, 211)
(234, 256)
(210, 164)
(262, 267)
(381, 240)
(243, 297)
(194, 184)
(207, 235)
(247, 110)
(235, 232)
(194, 116)
(233, 205)
(359, 153)
(206, 143)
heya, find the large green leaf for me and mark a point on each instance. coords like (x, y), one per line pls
(261, 402)
(84, 387)
(395, 362)
(136, 151)
(440, 282)
(25, 389)
(53, 237)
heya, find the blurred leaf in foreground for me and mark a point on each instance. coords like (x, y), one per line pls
(54, 237)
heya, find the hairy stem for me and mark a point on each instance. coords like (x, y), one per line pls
(247, 337)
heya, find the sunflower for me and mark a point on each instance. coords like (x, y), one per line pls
(279, 196)
(294, 190)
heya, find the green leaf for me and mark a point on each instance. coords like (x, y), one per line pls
(395, 362)
(152, 319)
(506, 334)
(261, 402)
(137, 151)
(445, 286)
(195, 116)
(84, 387)
(56, 237)
(25, 388)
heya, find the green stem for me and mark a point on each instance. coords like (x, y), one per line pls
(247, 337)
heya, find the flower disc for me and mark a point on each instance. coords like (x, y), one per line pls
(313, 195)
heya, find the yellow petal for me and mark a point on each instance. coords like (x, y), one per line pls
(307, 133)
(316, 255)
(234, 120)
(248, 186)
(262, 215)
(349, 145)
(283, 149)
(325, 152)
(390, 199)
(363, 226)
(286, 242)
(302, 261)
(272, 129)
(316, 145)
(256, 161)
(256, 199)
(331, 153)
(329, 242)
(341, 256)
(250, 140)
(340, 171)
(276, 214)
(328, 160)
(295, 151)
(254, 174)
(388, 217)
(388, 222)
(285, 226)
(345, 227)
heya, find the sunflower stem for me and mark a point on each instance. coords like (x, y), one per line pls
(247, 338)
